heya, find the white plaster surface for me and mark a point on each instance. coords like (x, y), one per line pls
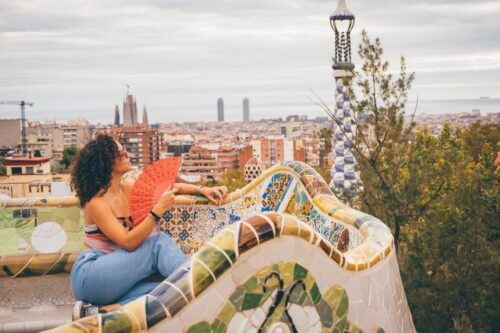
(385, 306)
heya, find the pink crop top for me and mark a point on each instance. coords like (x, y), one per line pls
(97, 240)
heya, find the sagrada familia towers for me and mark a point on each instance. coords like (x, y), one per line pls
(130, 117)
(345, 180)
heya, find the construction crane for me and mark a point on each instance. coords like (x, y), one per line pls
(24, 139)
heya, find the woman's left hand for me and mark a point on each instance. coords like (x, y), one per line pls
(215, 194)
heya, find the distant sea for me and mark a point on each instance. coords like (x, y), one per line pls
(491, 105)
(259, 109)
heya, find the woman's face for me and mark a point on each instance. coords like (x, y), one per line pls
(122, 163)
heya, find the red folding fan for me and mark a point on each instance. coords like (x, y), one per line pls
(152, 182)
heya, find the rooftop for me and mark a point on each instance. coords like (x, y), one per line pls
(26, 160)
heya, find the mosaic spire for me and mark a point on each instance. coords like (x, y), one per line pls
(345, 180)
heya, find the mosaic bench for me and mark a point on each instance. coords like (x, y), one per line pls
(282, 254)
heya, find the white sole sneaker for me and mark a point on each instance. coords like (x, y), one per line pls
(77, 310)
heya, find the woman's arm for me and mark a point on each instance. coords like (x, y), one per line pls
(215, 194)
(100, 213)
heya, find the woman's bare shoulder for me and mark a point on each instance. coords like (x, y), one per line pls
(127, 186)
(96, 203)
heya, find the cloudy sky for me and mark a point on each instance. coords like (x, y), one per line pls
(73, 58)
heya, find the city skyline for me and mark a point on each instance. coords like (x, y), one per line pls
(64, 62)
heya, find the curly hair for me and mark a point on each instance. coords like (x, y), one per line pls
(91, 170)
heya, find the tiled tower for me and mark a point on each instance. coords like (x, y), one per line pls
(345, 180)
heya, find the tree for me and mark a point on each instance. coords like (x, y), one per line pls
(402, 184)
(450, 260)
(326, 135)
(233, 179)
(438, 194)
(3, 169)
(324, 173)
(69, 154)
(56, 167)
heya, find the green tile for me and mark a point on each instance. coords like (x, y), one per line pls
(226, 313)
(201, 278)
(251, 284)
(306, 299)
(8, 241)
(286, 272)
(325, 313)
(341, 323)
(200, 327)
(309, 281)
(116, 321)
(315, 293)
(218, 326)
(251, 301)
(334, 295)
(236, 298)
(225, 241)
(215, 260)
(299, 272)
(264, 272)
(297, 294)
(343, 306)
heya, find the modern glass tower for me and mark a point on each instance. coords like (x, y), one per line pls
(145, 120)
(220, 109)
(246, 110)
(117, 116)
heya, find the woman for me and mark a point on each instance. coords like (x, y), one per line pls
(118, 259)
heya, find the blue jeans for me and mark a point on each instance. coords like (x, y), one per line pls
(117, 277)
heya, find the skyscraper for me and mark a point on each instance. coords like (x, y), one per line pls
(145, 120)
(129, 110)
(246, 110)
(220, 109)
(117, 116)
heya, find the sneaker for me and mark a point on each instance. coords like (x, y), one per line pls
(83, 309)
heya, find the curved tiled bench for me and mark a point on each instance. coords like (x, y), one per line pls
(230, 258)
(288, 206)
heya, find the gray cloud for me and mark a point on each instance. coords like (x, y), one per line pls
(180, 56)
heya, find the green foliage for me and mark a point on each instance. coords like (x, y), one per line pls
(68, 156)
(397, 192)
(450, 258)
(233, 179)
(326, 135)
(438, 194)
(3, 169)
(324, 173)
(56, 167)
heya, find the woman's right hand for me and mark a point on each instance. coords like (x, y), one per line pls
(166, 202)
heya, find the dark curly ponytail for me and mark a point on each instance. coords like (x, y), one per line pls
(91, 171)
